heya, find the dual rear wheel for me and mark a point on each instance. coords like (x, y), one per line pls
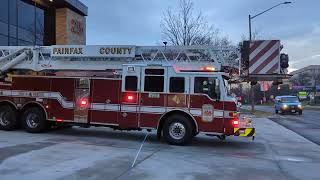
(33, 119)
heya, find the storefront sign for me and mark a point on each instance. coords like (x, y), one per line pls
(77, 27)
(93, 51)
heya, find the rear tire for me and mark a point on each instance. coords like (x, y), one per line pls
(8, 118)
(178, 130)
(34, 120)
(276, 111)
(300, 112)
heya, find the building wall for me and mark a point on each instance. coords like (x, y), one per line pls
(28, 22)
(70, 27)
(21, 23)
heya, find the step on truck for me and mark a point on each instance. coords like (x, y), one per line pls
(177, 91)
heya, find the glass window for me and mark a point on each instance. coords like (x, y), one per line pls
(131, 83)
(154, 71)
(25, 35)
(154, 80)
(177, 84)
(289, 99)
(24, 43)
(3, 28)
(26, 16)
(82, 83)
(207, 85)
(4, 12)
(39, 22)
(13, 31)
(13, 42)
(154, 83)
(3, 40)
(13, 12)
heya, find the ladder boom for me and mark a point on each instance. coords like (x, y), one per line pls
(95, 58)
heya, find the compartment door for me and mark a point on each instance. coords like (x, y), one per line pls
(82, 94)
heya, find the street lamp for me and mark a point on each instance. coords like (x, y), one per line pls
(252, 17)
(250, 39)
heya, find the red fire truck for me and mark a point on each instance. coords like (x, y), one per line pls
(177, 91)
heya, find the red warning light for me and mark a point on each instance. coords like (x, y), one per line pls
(59, 120)
(235, 122)
(130, 98)
(83, 102)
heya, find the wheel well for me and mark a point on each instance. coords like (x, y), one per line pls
(8, 103)
(34, 104)
(168, 114)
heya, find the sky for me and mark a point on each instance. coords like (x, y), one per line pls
(137, 22)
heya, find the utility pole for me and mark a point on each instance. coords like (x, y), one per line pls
(250, 39)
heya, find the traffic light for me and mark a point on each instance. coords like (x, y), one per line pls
(245, 51)
(284, 61)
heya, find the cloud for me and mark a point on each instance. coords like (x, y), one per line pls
(304, 49)
(138, 23)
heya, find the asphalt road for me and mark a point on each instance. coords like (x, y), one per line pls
(101, 153)
(307, 124)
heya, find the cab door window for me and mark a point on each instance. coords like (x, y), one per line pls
(177, 85)
(207, 85)
(154, 80)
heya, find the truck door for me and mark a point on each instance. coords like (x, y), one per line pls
(130, 97)
(82, 93)
(153, 96)
(207, 100)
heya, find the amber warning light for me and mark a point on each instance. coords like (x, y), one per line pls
(208, 68)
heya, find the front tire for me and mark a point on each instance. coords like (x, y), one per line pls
(34, 120)
(276, 111)
(8, 118)
(178, 130)
(300, 112)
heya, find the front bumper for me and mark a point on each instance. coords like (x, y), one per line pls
(292, 109)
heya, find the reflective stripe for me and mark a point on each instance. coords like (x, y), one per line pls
(104, 106)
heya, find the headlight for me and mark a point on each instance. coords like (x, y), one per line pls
(300, 106)
(284, 106)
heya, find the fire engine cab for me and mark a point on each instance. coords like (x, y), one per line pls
(177, 91)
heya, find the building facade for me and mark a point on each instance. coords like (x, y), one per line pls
(307, 76)
(42, 22)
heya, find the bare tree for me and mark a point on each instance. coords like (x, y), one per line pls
(187, 27)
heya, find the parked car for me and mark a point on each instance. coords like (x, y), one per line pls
(287, 104)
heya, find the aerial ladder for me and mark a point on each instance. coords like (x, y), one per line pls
(101, 58)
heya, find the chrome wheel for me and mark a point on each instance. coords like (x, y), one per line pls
(32, 120)
(177, 130)
(4, 119)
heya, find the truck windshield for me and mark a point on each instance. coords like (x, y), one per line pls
(289, 99)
